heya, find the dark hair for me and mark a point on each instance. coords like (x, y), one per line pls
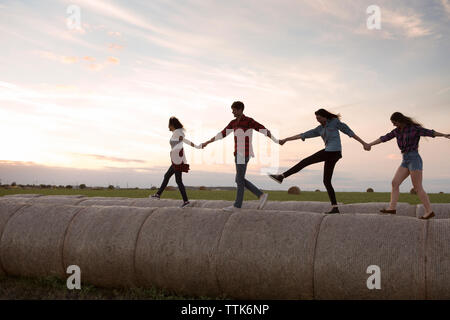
(173, 121)
(399, 117)
(238, 105)
(326, 114)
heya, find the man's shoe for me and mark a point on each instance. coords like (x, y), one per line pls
(155, 196)
(334, 210)
(277, 177)
(262, 201)
(431, 215)
(185, 204)
(388, 211)
(230, 209)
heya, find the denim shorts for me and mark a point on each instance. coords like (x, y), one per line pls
(412, 161)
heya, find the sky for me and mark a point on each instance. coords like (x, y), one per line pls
(87, 88)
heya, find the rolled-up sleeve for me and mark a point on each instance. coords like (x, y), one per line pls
(345, 129)
(426, 132)
(310, 133)
(389, 136)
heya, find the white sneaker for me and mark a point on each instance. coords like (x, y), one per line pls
(262, 201)
(230, 209)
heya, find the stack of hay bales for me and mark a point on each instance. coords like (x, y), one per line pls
(249, 254)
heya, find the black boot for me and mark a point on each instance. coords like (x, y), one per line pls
(277, 177)
(334, 210)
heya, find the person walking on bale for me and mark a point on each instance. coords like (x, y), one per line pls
(242, 127)
(329, 128)
(178, 158)
(408, 133)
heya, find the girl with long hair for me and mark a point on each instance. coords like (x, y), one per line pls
(408, 133)
(179, 163)
(329, 128)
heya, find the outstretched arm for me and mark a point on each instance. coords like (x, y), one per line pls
(188, 142)
(222, 134)
(308, 134)
(261, 129)
(346, 129)
(366, 146)
(438, 134)
(378, 141)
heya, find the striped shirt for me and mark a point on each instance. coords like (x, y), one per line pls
(408, 138)
(329, 134)
(243, 130)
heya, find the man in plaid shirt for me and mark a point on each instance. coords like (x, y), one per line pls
(243, 127)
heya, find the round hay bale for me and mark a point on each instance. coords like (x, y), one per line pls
(202, 188)
(317, 190)
(403, 209)
(108, 202)
(438, 259)
(268, 255)
(294, 190)
(348, 244)
(441, 192)
(369, 190)
(155, 203)
(170, 188)
(304, 206)
(412, 191)
(177, 250)
(102, 242)
(7, 210)
(58, 200)
(213, 204)
(441, 210)
(22, 195)
(32, 241)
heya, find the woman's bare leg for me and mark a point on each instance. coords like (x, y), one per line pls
(400, 176)
(416, 178)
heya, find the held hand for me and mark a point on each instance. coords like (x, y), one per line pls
(447, 136)
(367, 147)
(282, 141)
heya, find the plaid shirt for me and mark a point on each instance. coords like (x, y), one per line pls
(245, 124)
(408, 138)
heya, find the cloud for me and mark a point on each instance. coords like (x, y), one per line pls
(114, 33)
(115, 46)
(109, 158)
(410, 25)
(56, 57)
(113, 60)
(88, 58)
(446, 5)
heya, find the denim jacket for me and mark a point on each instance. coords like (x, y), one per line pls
(329, 134)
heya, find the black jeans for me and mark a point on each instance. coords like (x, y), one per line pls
(178, 180)
(330, 158)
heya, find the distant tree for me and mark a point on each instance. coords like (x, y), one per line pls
(13, 184)
(370, 190)
(111, 187)
(69, 186)
(412, 191)
(82, 186)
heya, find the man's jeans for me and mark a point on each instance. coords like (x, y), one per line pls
(242, 183)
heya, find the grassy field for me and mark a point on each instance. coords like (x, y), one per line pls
(344, 197)
(53, 288)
